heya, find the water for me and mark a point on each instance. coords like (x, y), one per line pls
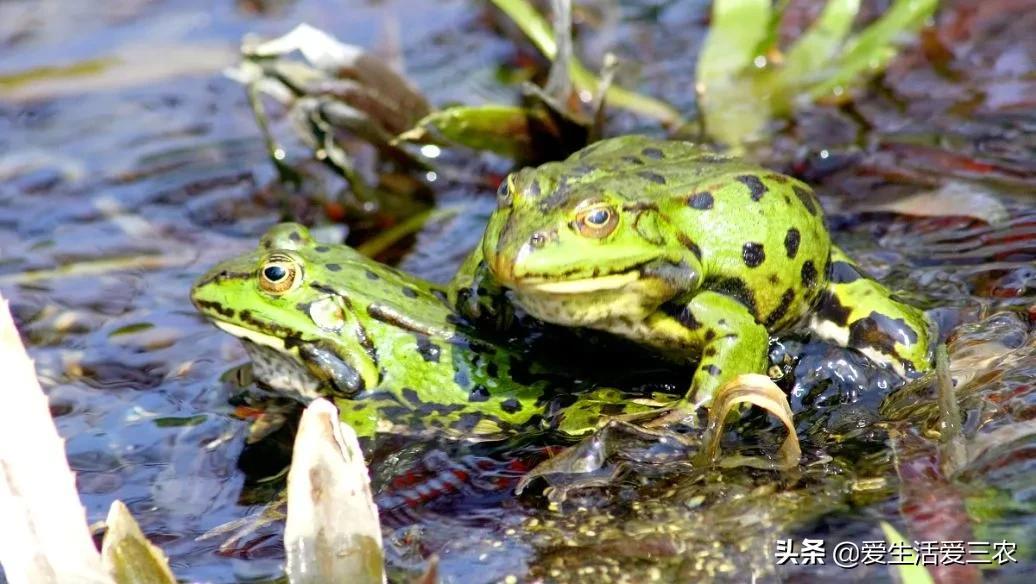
(131, 165)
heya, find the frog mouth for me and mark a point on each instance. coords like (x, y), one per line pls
(568, 282)
(251, 335)
(581, 286)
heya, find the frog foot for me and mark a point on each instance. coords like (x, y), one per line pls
(478, 297)
(682, 412)
(493, 312)
(591, 462)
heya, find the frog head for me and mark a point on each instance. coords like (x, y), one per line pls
(578, 231)
(284, 302)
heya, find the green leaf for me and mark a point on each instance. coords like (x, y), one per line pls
(389, 237)
(531, 23)
(542, 35)
(870, 51)
(733, 109)
(739, 27)
(176, 422)
(131, 328)
(86, 68)
(909, 573)
(818, 45)
(504, 129)
(740, 92)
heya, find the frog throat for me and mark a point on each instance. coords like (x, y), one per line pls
(297, 365)
(274, 363)
(253, 336)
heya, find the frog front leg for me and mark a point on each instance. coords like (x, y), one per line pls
(731, 342)
(476, 294)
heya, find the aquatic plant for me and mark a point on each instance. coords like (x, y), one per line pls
(744, 79)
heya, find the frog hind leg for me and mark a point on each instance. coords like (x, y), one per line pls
(856, 311)
(732, 342)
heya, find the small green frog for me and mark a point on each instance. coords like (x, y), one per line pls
(698, 255)
(325, 320)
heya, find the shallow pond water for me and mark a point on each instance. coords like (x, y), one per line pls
(129, 164)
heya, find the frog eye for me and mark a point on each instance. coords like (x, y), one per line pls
(598, 217)
(598, 221)
(503, 194)
(279, 274)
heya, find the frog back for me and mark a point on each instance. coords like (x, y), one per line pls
(759, 236)
(435, 376)
(456, 386)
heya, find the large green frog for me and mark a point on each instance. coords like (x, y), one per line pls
(324, 320)
(698, 255)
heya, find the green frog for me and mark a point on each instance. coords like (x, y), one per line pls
(325, 320)
(695, 254)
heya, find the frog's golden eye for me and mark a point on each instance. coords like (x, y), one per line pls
(279, 274)
(503, 194)
(597, 221)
